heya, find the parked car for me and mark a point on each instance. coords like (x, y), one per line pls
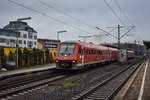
(10, 65)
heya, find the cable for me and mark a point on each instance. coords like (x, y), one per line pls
(65, 13)
(113, 11)
(127, 32)
(117, 4)
(41, 13)
(106, 32)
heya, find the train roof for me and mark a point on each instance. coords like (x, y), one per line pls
(131, 51)
(69, 42)
(91, 45)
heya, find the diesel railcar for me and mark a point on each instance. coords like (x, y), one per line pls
(77, 55)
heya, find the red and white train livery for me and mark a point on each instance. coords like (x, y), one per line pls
(76, 55)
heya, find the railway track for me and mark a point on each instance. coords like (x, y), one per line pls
(53, 80)
(11, 81)
(82, 82)
(27, 83)
(33, 82)
(106, 89)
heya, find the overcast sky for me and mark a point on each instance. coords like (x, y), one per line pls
(80, 17)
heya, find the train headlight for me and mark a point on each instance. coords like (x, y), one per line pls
(73, 61)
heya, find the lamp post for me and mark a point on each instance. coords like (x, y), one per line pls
(17, 45)
(59, 33)
(17, 35)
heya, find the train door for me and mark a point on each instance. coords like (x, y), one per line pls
(82, 55)
(109, 54)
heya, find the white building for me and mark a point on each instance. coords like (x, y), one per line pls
(27, 36)
(8, 38)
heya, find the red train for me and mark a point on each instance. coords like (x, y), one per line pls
(130, 54)
(77, 55)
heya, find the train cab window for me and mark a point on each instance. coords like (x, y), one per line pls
(66, 49)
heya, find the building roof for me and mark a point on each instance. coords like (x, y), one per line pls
(8, 32)
(19, 25)
(48, 40)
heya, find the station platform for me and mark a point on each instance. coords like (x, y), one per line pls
(138, 86)
(26, 71)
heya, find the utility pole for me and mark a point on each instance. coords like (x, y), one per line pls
(17, 46)
(118, 37)
(17, 36)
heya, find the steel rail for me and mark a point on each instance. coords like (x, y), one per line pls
(92, 90)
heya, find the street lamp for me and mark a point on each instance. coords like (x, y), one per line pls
(17, 46)
(59, 33)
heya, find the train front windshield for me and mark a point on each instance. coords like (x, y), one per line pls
(66, 49)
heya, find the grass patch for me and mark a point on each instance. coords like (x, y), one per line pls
(69, 84)
(84, 76)
(2, 71)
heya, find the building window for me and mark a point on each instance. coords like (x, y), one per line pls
(20, 41)
(35, 37)
(34, 43)
(24, 35)
(12, 41)
(18, 35)
(24, 42)
(30, 35)
(30, 44)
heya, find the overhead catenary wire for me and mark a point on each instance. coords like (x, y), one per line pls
(123, 13)
(44, 14)
(129, 28)
(113, 12)
(65, 13)
(57, 20)
(127, 32)
(106, 32)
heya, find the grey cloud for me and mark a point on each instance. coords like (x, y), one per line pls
(93, 12)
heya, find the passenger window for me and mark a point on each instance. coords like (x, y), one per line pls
(89, 52)
(92, 51)
(99, 52)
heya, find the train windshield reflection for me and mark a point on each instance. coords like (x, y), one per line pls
(66, 49)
